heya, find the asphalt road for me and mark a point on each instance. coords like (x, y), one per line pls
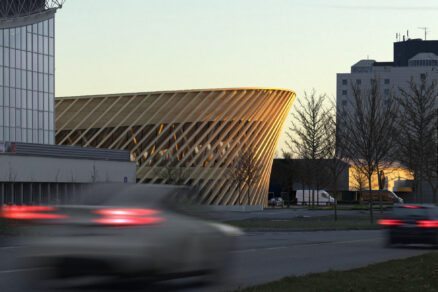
(258, 257)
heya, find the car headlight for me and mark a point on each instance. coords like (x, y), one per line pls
(227, 229)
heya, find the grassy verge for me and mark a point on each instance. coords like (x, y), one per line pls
(303, 223)
(418, 273)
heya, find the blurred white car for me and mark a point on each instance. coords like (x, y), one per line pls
(128, 230)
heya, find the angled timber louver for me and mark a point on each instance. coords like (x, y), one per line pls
(200, 133)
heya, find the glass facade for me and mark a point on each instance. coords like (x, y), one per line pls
(27, 83)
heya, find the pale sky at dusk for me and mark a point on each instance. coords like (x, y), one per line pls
(109, 46)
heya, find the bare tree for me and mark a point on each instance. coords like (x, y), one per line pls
(247, 170)
(171, 174)
(417, 140)
(358, 181)
(308, 136)
(236, 175)
(368, 130)
(335, 155)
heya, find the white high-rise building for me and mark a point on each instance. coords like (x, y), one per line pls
(412, 59)
(415, 59)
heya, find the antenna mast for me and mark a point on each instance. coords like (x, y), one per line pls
(425, 31)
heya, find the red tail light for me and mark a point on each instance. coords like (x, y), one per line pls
(127, 212)
(389, 222)
(29, 212)
(427, 223)
(412, 207)
(127, 217)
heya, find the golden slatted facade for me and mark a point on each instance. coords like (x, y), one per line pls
(200, 133)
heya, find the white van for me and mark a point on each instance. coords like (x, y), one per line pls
(304, 197)
(387, 196)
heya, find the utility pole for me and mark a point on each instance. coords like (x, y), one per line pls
(425, 31)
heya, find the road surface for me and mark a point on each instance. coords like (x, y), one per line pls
(259, 257)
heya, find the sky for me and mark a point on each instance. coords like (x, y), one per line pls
(109, 46)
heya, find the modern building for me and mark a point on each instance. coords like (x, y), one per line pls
(33, 169)
(412, 59)
(38, 173)
(192, 137)
(27, 70)
(289, 176)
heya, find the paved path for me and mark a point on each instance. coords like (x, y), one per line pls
(260, 257)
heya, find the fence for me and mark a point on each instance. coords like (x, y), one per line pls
(17, 193)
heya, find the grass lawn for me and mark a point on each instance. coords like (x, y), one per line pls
(418, 273)
(320, 222)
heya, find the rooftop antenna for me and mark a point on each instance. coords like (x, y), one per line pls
(425, 31)
(407, 34)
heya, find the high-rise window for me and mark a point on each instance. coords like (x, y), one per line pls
(27, 82)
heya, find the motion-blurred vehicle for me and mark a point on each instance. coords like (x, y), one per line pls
(316, 197)
(412, 224)
(387, 196)
(125, 230)
(272, 202)
(277, 201)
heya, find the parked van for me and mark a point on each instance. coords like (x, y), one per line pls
(387, 196)
(304, 197)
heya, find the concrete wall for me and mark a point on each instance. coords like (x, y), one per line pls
(21, 168)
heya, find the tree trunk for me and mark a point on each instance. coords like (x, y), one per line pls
(317, 195)
(379, 180)
(434, 189)
(419, 191)
(371, 200)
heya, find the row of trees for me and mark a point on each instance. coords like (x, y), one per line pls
(314, 137)
(372, 130)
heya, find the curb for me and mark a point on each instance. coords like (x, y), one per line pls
(307, 229)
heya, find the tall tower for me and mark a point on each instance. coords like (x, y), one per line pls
(27, 70)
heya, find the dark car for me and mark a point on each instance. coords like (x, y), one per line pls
(412, 224)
